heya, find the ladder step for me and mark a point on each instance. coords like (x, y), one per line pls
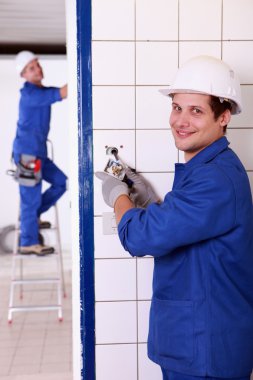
(17, 229)
(51, 256)
(35, 280)
(35, 308)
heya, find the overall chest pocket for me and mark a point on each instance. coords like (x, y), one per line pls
(172, 329)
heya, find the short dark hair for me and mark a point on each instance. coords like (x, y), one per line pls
(219, 107)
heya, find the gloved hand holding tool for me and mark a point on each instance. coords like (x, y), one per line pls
(123, 180)
(140, 192)
(112, 188)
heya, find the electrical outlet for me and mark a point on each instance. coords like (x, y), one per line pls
(109, 223)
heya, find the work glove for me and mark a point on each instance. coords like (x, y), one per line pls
(141, 192)
(112, 188)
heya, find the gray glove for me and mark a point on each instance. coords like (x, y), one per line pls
(112, 188)
(142, 193)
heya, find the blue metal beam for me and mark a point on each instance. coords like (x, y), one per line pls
(85, 154)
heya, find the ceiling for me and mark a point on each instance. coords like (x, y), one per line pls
(38, 25)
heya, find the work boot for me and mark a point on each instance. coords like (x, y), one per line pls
(43, 224)
(36, 249)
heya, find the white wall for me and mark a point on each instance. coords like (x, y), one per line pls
(55, 71)
(137, 48)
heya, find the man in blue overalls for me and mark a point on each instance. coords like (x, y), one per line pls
(30, 153)
(200, 235)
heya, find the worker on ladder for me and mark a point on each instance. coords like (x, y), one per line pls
(30, 153)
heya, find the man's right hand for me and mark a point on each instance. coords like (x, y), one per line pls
(142, 193)
(64, 91)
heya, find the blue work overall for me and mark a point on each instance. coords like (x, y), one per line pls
(201, 238)
(31, 139)
(33, 202)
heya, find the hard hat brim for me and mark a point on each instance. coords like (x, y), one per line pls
(236, 107)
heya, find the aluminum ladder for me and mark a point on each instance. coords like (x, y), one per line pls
(20, 280)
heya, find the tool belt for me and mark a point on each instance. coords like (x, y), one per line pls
(28, 171)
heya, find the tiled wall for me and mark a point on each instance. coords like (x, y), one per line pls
(137, 48)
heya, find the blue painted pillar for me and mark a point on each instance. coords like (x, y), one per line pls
(85, 164)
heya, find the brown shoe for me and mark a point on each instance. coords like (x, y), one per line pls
(44, 224)
(36, 249)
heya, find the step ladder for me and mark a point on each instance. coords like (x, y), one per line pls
(19, 280)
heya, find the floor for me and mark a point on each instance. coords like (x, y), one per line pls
(35, 346)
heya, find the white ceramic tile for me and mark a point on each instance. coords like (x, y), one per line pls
(113, 107)
(116, 362)
(116, 322)
(161, 182)
(245, 119)
(156, 62)
(237, 19)
(156, 151)
(113, 20)
(107, 246)
(143, 320)
(156, 20)
(189, 49)
(148, 370)
(145, 277)
(152, 108)
(115, 279)
(241, 141)
(237, 54)
(113, 63)
(200, 19)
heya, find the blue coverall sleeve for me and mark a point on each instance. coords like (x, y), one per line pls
(202, 208)
(40, 96)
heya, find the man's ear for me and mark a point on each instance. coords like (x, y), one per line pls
(22, 74)
(225, 118)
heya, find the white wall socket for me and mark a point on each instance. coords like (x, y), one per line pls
(109, 223)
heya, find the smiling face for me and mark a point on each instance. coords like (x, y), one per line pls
(193, 124)
(33, 72)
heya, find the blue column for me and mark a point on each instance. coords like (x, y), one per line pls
(85, 157)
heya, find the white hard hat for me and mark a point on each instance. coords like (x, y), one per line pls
(22, 59)
(208, 75)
